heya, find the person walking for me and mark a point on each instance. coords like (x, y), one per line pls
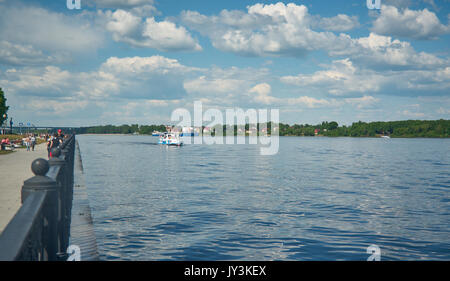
(49, 142)
(27, 143)
(33, 142)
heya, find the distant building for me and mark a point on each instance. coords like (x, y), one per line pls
(316, 131)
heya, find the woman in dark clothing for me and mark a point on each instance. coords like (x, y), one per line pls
(54, 143)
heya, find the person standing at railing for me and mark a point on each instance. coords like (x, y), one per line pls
(55, 142)
(60, 135)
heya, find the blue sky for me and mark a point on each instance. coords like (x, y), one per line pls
(135, 61)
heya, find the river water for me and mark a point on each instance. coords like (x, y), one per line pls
(316, 199)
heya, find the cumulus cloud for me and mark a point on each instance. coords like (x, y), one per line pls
(128, 78)
(343, 78)
(131, 28)
(262, 92)
(268, 30)
(262, 95)
(288, 30)
(23, 54)
(420, 24)
(224, 86)
(384, 52)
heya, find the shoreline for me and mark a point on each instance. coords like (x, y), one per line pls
(318, 136)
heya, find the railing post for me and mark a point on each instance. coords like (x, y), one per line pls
(59, 160)
(41, 183)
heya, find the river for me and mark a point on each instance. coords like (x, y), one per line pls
(318, 198)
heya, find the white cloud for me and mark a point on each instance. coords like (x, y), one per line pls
(224, 86)
(410, 114)
(122, 3)
(262, 92)
(288, 30)
(205, 85)
(311, 102)
(129, 78)
(343, 78)
(49, 31)
(362, 102)
(56, 107)
(340, 22)
(442, 110)
(384, 52)
(47, 81)
(138, 65)
(262, 95)
(131, 28)
(420, 24)
(20, 54)
(265, 30)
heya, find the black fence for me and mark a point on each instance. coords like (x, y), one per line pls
(40, 229)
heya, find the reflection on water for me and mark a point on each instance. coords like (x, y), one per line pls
(317, 199)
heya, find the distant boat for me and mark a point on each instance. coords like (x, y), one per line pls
(156, 134)
(386, 137)
(170, 139)
(193, 134)
(189, 132)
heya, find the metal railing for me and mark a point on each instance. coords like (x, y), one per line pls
(40, 228)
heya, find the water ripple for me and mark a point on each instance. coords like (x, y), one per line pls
(317, 199)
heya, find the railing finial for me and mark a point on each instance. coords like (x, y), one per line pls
(40, 167)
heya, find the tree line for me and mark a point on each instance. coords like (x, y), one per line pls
(122, 129)
(401, 129)
(407, 129)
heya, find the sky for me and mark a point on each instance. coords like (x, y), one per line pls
(136, 61)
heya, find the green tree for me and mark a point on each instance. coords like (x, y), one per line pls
(3, 107)
(333, 125)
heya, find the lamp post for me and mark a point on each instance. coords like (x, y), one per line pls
(4, 124)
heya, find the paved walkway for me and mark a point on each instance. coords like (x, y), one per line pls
(15, 168)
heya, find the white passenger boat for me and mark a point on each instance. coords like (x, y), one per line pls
(170, 139)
